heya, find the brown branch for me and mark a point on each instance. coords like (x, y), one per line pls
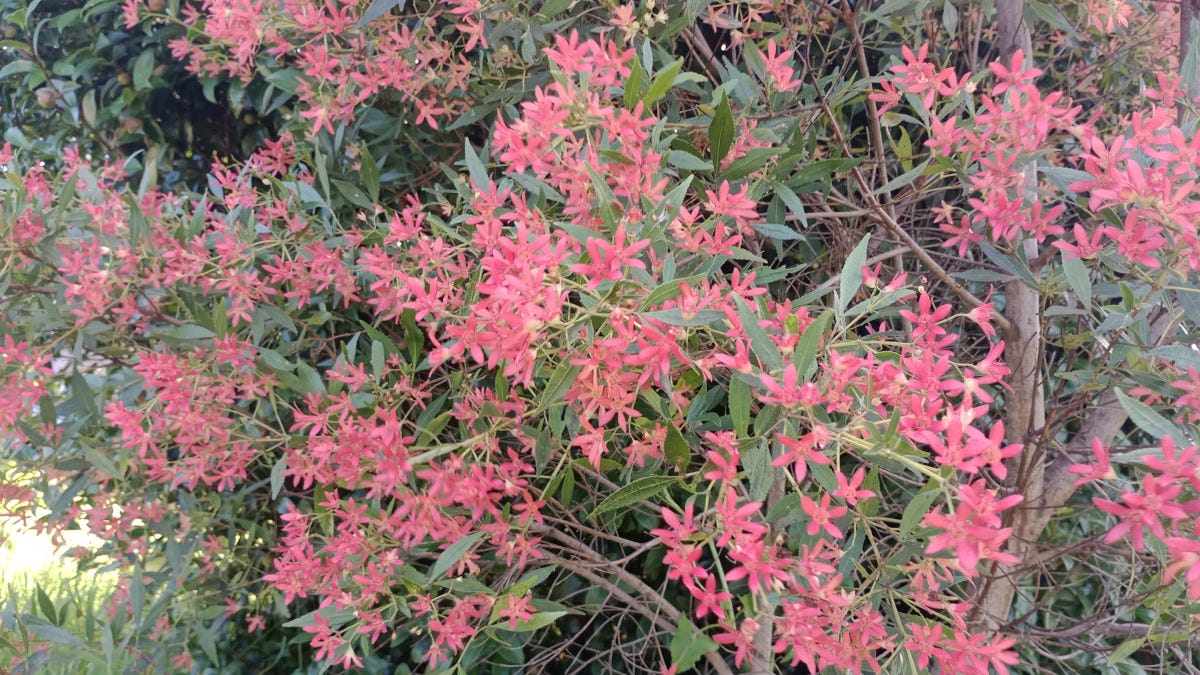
(884, 217)
(849, 16)
(1025, 406)
(880, 215)
(666, 616)
(1153, 634)
(698, 45)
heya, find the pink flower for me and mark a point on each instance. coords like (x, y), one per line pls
(736, 205)
(1090, 472)
(1014, 76)
(1185, 557)
(741, 639)
(919, 76)
(516, 609)
(607, 261)
(822, 516)
(849, 489)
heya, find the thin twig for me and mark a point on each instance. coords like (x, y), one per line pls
(879, 214)
(667, 615)
(885, 218)
(848, 15)
(703, 52)
(837, 278)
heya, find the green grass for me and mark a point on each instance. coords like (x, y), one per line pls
(52, 616)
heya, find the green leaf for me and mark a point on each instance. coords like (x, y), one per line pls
(675, 317)
(792, 201)
(309, 379)
(720, 132)
(558, 384)
(950, 18)
(633, 84)
(54, 634)
(676, 448)
(1125, 650)
(804, 356)
(101, 462)
(541, 448)
(16, 68)
(378, 336)
(450, 557)
(378, 359)
(682, 159)
(306, 193)
(278, 473)
(275, 360)
(777, 231)
(552, 8)
(137, 594)
(354, 195)
(1079, 278)
(689, 645)
(378, 9)
(475, 168)
(739, 405)
(1008, 263)
(669, 290)
(823, 171)
(634, 493)
(143, 69)
(1147, 419)
(190, 332)
(567, 490)
(757, 460)
(536, 622)
(1049, 13)
(285, 79)
(45, 603)
(532, 579)
(663, 82)
(852, 276)
(1063, 177)
(82, 394)
(747, 164)
(760, 342)
(788, 505)
(915, 512)
(985, 276)
(369, 170)
(1180, 355)
(606, 200)
(332, 615)
(904, 148)
(17, 137)
(902, 180)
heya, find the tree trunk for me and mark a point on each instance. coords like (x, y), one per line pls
(1024, 404)
(1047, 485)
(1189, 20)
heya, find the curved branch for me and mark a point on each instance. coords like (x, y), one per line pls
(666, 616)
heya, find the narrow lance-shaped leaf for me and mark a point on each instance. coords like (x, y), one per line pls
(852, 276)
(634, 493)
(720, 132)
(663, 82)
(453, 554)
(760, 342)
(739, 405)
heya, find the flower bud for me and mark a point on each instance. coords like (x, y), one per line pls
(47, 97)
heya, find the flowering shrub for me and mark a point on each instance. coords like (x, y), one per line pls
(620, 336)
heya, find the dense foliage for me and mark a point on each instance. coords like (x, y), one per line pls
(475, 336)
